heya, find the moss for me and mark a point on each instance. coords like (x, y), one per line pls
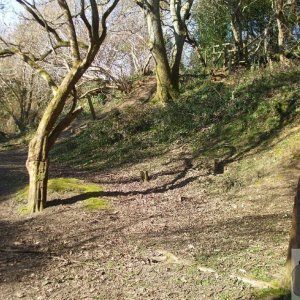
(61, 185)
(25, 210)
(263, 293)
(96, 204)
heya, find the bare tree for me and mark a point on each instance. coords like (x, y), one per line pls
(22, 94)
(81, 56)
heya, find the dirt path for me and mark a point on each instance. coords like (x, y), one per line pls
(152, 244)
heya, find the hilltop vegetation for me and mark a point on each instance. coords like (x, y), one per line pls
(219, 120)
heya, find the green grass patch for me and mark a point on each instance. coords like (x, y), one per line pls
(260, 273)
(63, 185)
(96, 204)
(276, 292)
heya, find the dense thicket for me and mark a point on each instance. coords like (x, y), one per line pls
(247, 32)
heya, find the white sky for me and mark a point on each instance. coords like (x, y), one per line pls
(10, 14)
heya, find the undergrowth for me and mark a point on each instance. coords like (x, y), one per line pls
(219, 120)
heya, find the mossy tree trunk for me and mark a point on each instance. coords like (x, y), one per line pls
(37, 165)
(166, 90)
(180, 14)
(50, 126)
(167, 73)
(48, 131)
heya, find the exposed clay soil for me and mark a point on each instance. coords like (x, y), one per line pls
(171, 238)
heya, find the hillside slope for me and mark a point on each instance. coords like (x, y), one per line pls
(213, 221)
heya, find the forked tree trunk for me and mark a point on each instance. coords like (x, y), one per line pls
(166, 90)
(50, 126)
(48, 131)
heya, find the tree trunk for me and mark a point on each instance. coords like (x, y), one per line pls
(166, 90)
(237, 36)
(48, 131)
(176, 59)
(180, 13)
(295, 231)
(50, 126)
(37, 165)
(281, 25)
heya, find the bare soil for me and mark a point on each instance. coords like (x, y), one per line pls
(178, 236)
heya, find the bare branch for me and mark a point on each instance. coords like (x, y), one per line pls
(72, 32)
(39, 19)
(95, 20)
(84, 19)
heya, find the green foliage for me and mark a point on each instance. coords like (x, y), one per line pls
(262, 294)
(260, 273)
(216, 119)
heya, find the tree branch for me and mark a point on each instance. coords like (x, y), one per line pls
(72, 32)
(40, 20)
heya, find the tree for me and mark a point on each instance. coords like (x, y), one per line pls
(167, 72)
(80, 56)
(281, 26)
(248, 25)
(22, 95)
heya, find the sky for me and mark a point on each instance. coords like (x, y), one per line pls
(9, 14)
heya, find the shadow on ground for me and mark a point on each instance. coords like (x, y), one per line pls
(19, 256)
(13, 175)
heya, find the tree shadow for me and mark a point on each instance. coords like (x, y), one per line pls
(261, 142)
(179, 181)
(13, 175)
(144, 132)
(18, 257)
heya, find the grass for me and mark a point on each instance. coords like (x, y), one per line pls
(263, 293)
(63, 185)
(217, 120)
(67, 185)
(260, 273)
(93, 204)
